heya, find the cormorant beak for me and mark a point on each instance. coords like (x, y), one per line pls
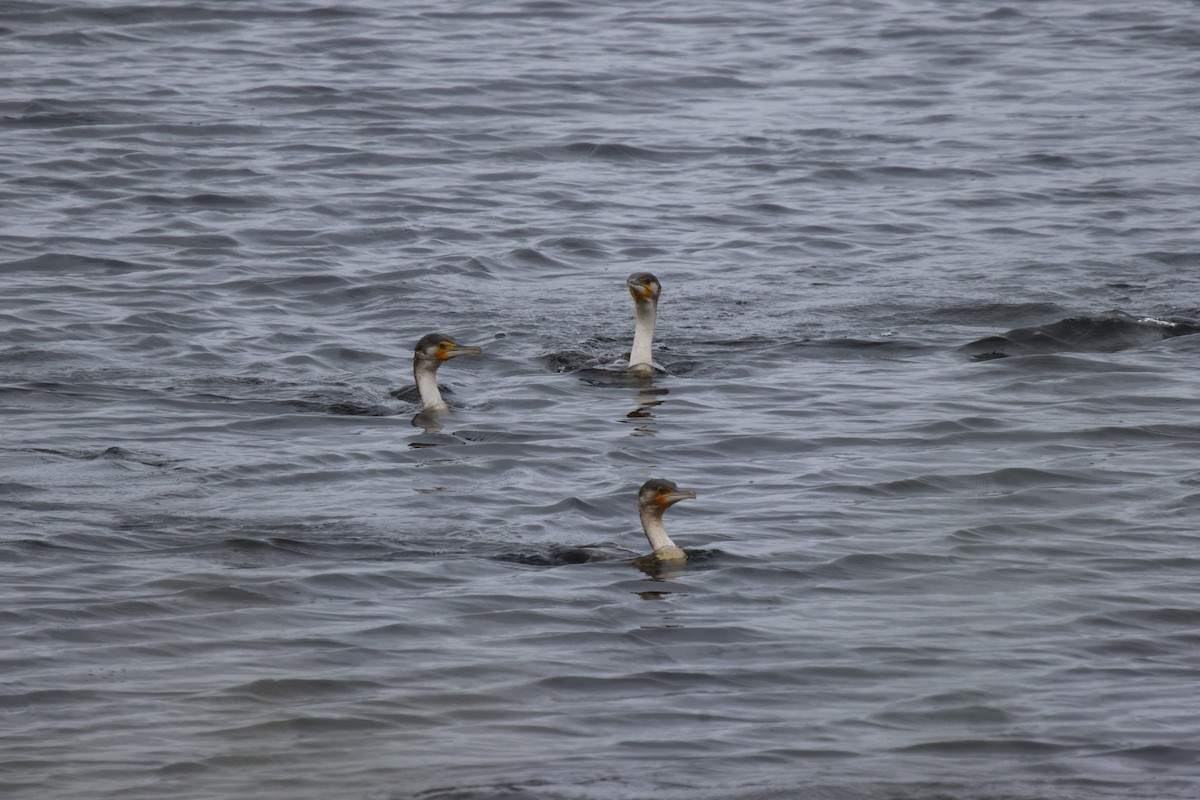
(671, 498)
(640, 291)
(459, 350)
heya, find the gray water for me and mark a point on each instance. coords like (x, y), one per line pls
(232, 567)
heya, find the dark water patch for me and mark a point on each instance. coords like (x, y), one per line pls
(1187, 258)
(1125, 646)
(568, 361)
(277, 690)
(506, 176)
(906, 173)
(75, 544)
(1002, 13)
(613, 151)
(530, 257)
(51, 698)
(772, 208)
(184, 242)
(71, 264)
(300, 726)
(968, 715)
(963, 426)
(823, 349)
(49, 182)
(33, 357)
(575, 246)
(9, 488)
(708, 82)
(182, 769)
(991, 312)
(1000, 481)
(645, 682)
(53, 120)
(208, 200)
(844, 53)
(729, 220)
(837, 175)
(1087, 370)
(296, 285)
(158, 533)
(235, 597)
(1129, 435)
(858, 566)
(1050, 161)
(243, 550)
(899, 229)
(336, 400)
(1145, 618)
(112, 453)
(1004, 231)
(150, 134)
(1165, 755)
(365, 164)
(1014, 747)
(350, 583)
(1104, 333)
(270, 547)
(563, 555)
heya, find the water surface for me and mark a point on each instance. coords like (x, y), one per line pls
(234, 568)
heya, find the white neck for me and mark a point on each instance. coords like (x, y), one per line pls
(643, 335)
(426, 378)
(664, 548)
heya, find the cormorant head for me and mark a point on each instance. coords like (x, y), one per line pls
(658, 495)
(644, 287)
(437, 347)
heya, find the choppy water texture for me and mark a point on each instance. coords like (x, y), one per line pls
(233, 568)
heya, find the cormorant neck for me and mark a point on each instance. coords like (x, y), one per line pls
(664, 548)
(643, 336)
(425, 374)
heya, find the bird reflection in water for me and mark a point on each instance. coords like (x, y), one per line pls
(660, 571)
(648, 396)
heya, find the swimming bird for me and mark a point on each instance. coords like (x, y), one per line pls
(430, 352)
(645, 289)
(655, 497)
